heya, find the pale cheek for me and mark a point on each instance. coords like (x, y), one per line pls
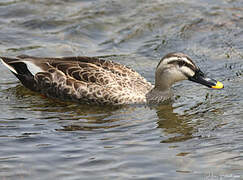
(177, 75)
(187, 71)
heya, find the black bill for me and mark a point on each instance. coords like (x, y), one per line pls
(200, 78)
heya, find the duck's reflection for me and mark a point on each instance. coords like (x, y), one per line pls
(176, 127)
(78, 117)
(71, 116)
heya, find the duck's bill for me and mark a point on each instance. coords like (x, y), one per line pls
(200, 78)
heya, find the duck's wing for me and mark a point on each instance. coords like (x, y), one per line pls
(79, 78)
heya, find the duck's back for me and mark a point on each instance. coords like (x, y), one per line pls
(82, 79)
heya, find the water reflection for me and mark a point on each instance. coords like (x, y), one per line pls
(173, 124)
(71, 116)
(81, 117)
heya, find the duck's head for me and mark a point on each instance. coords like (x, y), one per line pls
(176, 67)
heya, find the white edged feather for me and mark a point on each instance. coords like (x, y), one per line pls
(34, 69)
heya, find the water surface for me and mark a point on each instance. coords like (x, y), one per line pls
(198, 136)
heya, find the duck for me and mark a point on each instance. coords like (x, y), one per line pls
(93, 80)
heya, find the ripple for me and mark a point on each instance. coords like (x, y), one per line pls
(197, 136)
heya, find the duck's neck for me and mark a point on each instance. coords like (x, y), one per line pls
(157, 95)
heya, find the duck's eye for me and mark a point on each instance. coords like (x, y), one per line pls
(181, 63)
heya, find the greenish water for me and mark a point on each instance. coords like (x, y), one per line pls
(198, 136)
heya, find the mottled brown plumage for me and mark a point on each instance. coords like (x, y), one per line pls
(81, 79)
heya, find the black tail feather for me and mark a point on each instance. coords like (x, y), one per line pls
(23, 74)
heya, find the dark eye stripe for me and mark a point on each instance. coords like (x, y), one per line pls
(183, 63)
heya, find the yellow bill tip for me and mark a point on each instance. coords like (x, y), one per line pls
(218, 85)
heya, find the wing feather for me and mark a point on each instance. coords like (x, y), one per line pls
(86, 79)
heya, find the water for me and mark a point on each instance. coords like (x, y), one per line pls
(198, 136)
